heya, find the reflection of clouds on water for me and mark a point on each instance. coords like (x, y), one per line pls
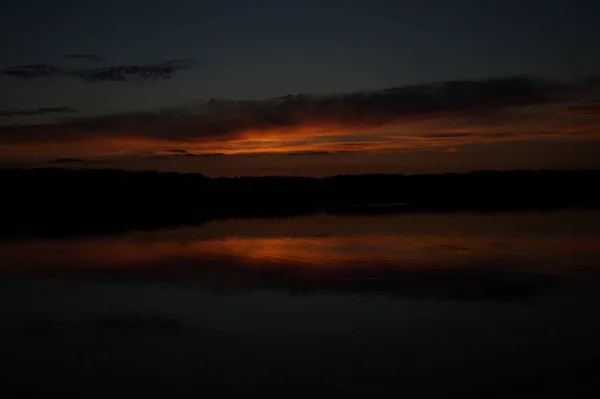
(299, 303)
(407, 256)
(322, 252)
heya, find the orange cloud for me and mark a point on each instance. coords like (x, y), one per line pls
(438, 115)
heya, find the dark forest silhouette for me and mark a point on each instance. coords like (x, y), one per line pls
(54, 201)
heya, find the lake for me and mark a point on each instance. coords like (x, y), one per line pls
(461, 304)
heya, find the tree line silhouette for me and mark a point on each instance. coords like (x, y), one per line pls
(56, 201)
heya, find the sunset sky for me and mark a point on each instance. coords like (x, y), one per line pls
(300, 88)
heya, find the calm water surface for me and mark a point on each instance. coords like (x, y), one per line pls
(422, 305)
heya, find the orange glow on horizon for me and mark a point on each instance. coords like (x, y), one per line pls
(435, 132)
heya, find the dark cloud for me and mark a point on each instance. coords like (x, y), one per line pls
(77, 160)
(33, 71)
(123, 73)
(311, 153)
(227, 120)
(115, 73)
(176, 151)
(448, 135)
(212, 155)
(286, 97)
(83, 57)
(158, 157)
(498, 134)
(582, 110)
(202, 155)
(61, 110)
(548, 133)
(465, 134)
(38, 111)
(66, 160)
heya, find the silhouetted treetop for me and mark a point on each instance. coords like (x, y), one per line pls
(115, 199)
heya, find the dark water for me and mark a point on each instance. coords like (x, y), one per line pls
(416, 305)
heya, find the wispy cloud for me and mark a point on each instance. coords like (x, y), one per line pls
(124, 73)
(211, 155)
(581, 110)
(176, 153)
(37, 111)
(311, 153)
(83, 57)
(110, 73)
(77, 161)
(452, 135)
(66, 160)
(32, 71)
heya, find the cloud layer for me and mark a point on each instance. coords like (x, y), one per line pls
(443, 114)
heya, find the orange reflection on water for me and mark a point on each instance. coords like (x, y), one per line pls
(408, 251)
(166, 248)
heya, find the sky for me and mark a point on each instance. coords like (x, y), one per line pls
(300, 88)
